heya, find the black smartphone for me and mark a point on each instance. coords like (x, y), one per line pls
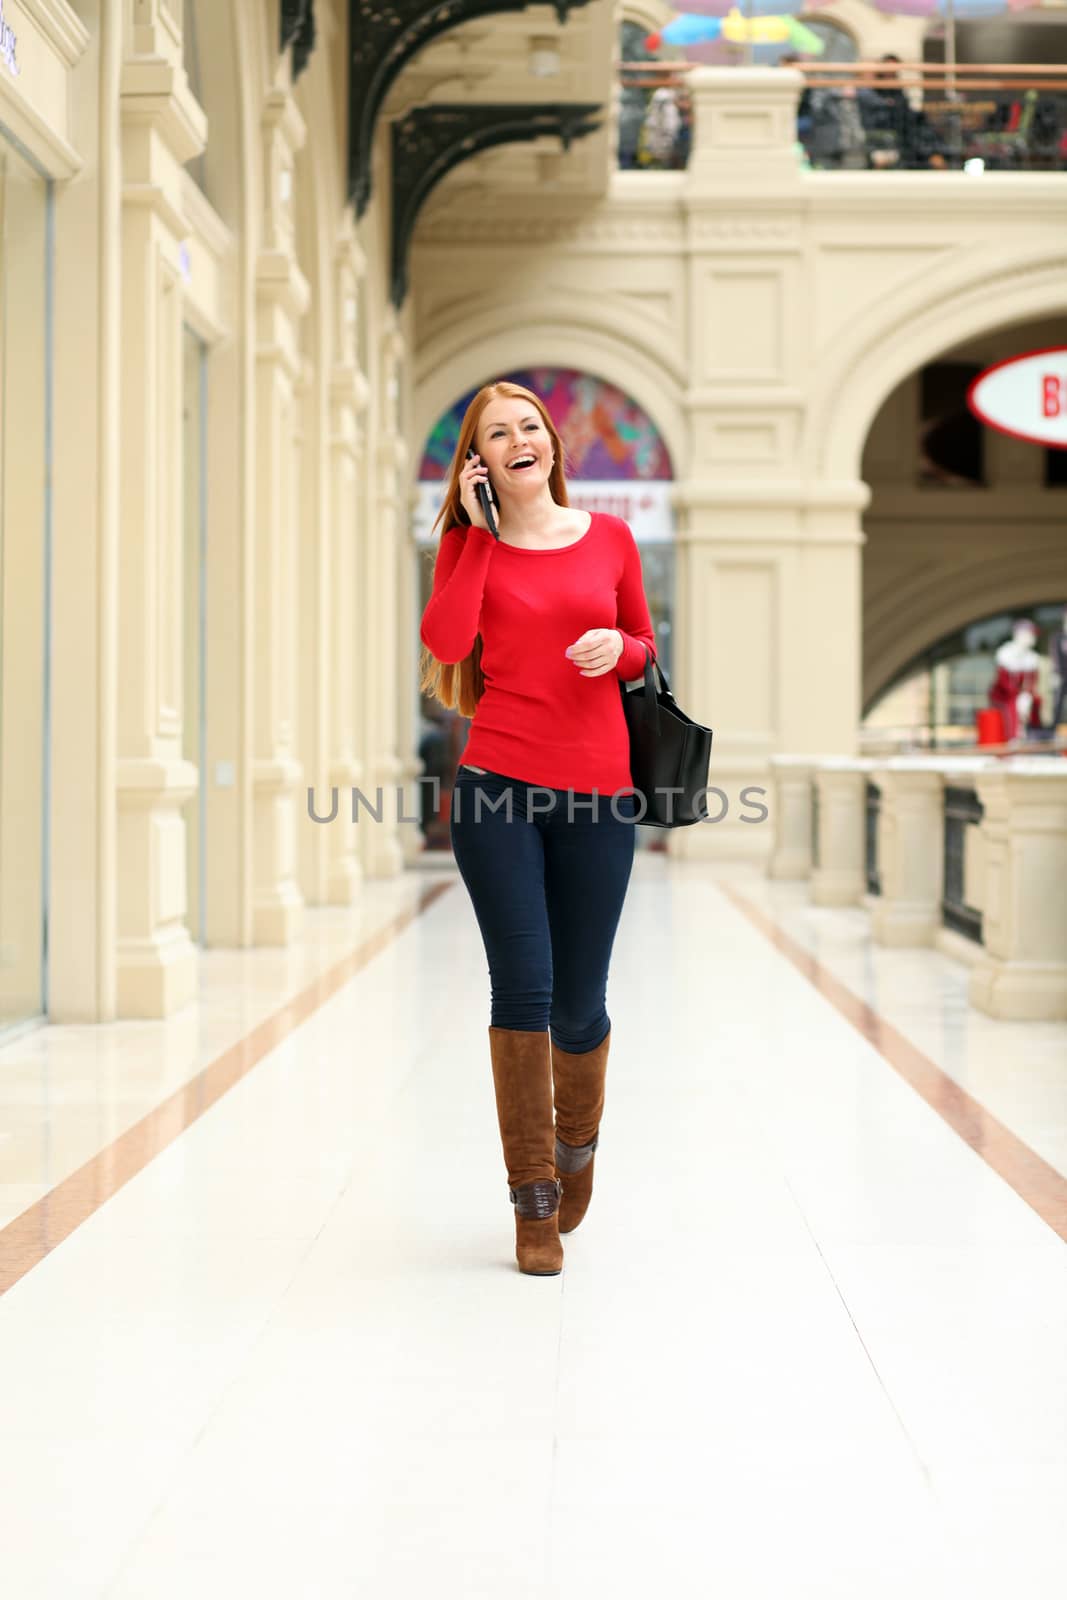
(485, 502)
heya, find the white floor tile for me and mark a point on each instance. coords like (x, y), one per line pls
(806, 1345)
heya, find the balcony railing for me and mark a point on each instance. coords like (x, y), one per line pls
(962, 810)
(867, 115)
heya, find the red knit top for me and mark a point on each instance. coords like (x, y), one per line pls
(539, 720)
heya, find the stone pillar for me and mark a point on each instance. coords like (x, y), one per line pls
(281, 299)
(1022, 973)
(768, 557)
(348, 399)
(412, 840)
(910, 851)
(162, 128)
(382, 853)
(840, 877)
(791, 780)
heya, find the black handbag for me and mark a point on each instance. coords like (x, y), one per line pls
(669, 753)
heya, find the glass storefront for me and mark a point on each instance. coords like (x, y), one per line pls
(935, 701)
(25, 287)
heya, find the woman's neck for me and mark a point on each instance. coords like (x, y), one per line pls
(530, 522)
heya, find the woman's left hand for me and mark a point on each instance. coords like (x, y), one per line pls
(597, 651)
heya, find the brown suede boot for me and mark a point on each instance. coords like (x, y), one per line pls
(578, 1090)
(522, 1078)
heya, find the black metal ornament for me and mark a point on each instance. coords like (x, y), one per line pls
(430, 140)
(298, 30)
(384, 36)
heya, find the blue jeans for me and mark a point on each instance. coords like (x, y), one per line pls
(547, 876)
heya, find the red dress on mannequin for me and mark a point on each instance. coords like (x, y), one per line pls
(1006, 688)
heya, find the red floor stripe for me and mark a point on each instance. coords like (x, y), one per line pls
(31, 1236)
(1040, 1185)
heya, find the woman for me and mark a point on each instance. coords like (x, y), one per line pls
(530, 634)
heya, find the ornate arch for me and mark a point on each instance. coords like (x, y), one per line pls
(502, 338)
(953, 302)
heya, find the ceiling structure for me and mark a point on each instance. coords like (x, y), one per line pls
(534, 85)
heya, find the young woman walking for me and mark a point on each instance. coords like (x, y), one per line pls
(529, 635)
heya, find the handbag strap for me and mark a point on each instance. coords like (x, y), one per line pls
(650, 706)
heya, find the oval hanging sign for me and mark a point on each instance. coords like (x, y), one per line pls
(1025, 397)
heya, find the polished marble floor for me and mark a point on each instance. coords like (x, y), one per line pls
(807, 1345)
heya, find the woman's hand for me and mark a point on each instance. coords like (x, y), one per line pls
(597, 651)
(472, 473)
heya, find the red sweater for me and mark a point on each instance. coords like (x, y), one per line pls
(539, 720)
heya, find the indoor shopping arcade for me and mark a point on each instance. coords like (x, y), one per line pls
(299, 1093)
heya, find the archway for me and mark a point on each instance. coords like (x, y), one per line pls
(964, 522)
(503, 338)
(942, 305)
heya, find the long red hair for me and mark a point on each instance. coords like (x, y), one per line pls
(459, 684)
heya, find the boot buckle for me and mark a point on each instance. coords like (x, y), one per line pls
(538, 1200)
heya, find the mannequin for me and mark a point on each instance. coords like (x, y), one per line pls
(1059, 667)
(1014, 689)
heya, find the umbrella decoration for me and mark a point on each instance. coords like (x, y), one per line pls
(690, 29)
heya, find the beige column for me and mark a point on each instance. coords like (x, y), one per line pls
(382, 853)
(839, 875)
(83, 821)
(768, 557)
(162, 127)
(281, 299)
(412, 840)
(791, 816)
(348, 399)
(1022, 973)
(911, 851)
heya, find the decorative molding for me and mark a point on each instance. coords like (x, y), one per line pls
(60, 26)
(204, 220)
(663, 235)
(747, 228)
(298, 30)
(430, 140)
(156, 93)
(384, 35)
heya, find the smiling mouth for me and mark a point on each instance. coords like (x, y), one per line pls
(522, 464)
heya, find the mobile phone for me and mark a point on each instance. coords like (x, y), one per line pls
(485, 502)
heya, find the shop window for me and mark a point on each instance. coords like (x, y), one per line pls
(935, 698)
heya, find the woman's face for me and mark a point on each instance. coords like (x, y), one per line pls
(515, 445)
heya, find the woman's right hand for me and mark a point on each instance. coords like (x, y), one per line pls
(472, 473)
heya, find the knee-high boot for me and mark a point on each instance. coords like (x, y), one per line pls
(578, 1090)
(522, 1078)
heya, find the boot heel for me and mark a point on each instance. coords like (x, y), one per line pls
(576, 1165)
(537, 1244)
(578, 1088)
(522, 1080)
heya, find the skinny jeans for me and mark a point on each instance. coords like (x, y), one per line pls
(547, 876)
